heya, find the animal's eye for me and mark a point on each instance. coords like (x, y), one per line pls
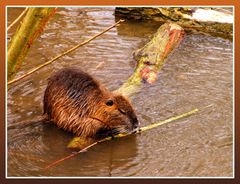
(109, 103)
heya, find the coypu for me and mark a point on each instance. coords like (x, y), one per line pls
(78, 103)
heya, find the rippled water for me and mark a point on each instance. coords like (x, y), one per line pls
(198, 73)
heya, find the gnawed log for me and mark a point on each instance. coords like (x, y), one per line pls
(30, 28)
(151, 57)
(213, 21)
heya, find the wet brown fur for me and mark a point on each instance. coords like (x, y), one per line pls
(76, 102)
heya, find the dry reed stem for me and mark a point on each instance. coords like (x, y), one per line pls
(63, 54)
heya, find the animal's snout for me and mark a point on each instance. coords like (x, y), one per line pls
(135, 123)
(135, 126)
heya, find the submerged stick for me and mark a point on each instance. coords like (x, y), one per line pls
(149, 127)
(76, 153)
(63, 54)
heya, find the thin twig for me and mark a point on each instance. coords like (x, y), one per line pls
(17, 19)
(123, 135)
(75, 153)
(63, 54)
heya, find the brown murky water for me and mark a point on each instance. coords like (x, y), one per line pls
(198, 73)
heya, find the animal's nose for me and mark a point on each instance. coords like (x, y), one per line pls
(135, 126)
(135, 123)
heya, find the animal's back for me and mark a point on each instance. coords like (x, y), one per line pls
(76, 102)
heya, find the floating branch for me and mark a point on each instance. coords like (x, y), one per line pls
(64, 53)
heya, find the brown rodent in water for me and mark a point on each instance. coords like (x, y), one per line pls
(78, 103)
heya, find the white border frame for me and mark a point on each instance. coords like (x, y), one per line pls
(79, 177)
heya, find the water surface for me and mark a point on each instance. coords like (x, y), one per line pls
(198, 73)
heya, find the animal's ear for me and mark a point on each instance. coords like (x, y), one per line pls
(109, 102)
